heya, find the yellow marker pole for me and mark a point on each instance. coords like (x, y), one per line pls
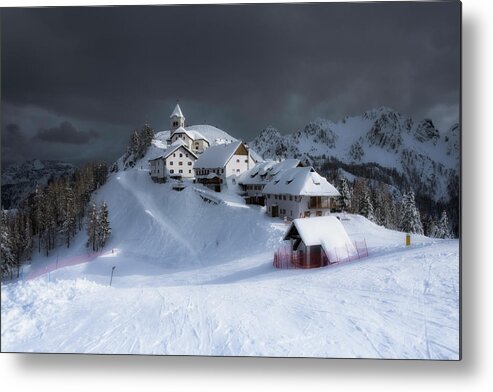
(408, 239)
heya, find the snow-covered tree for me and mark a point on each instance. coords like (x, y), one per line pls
(410, 217)
(92, 228)
(104, 229)
(69, 215)
(366, 207)
(6, 254)
(442, 228)
(360, 188)
(345, 192)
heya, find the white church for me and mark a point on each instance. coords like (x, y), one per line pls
(188, 157)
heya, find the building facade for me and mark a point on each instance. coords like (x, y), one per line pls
(222, 161)
(299, 192)
(176, 162)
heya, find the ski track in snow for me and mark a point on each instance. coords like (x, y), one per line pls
(229, 300)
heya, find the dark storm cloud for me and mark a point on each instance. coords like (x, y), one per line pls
(66, 133)
(15, 144)
(13, 136)
(238, 67)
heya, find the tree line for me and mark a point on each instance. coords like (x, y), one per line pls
(52, 216)
(138, 143)
(378, 202)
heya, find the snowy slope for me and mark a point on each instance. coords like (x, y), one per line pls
(427, 158)
(196, 278)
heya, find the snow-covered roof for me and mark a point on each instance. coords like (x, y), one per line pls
(300, 181)
(263, 172)
(284, 165)
(217, 156)
(194, 135)
(197, 136)
(172, 148)
(256, 157)
(257, 174)
(183, 130)
(327, 231)
(177, 112)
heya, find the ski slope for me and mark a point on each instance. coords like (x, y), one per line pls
(196, 278)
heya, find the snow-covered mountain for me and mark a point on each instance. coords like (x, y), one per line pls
(20, 180)
(416, 153)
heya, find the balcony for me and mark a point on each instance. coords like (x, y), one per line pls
(319, 202)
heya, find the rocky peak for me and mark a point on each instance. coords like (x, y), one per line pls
(426, 131)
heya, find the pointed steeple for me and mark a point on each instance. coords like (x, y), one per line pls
(177, 118)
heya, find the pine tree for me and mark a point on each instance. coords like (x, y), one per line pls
(28, 238)
(39, 216)
(366, 207)
(442, 229)
(69, 215)
(92, 228)
(104, 230)
(345, 192)
(360, 187)
(410, 217)
(6, 254)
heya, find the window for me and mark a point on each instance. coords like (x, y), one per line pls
(174, 155)
(237, 170)
(189, 171)
(171, 171)
(171, 163)
(189, 163)
(290, 198)
(175, 123)
(237, 161)
(180, 163)
(246, 160)
(180, 171)
(181, 155)
(186, 155)
(284, 197)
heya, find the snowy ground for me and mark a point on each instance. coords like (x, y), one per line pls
(197, 278)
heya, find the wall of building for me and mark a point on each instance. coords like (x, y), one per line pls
(199, 145)
(157, 169)
(237, 165)
(292, 207)
(188, 141)
(182, 160)
(179, 120)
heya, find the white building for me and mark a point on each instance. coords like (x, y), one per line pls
(299, 192)
(194, 140)
(253, 181)
(176, 162)
(222, 161)
(319, 241)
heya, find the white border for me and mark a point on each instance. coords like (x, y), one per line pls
(473, 373)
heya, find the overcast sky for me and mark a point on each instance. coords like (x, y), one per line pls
(76, 81)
